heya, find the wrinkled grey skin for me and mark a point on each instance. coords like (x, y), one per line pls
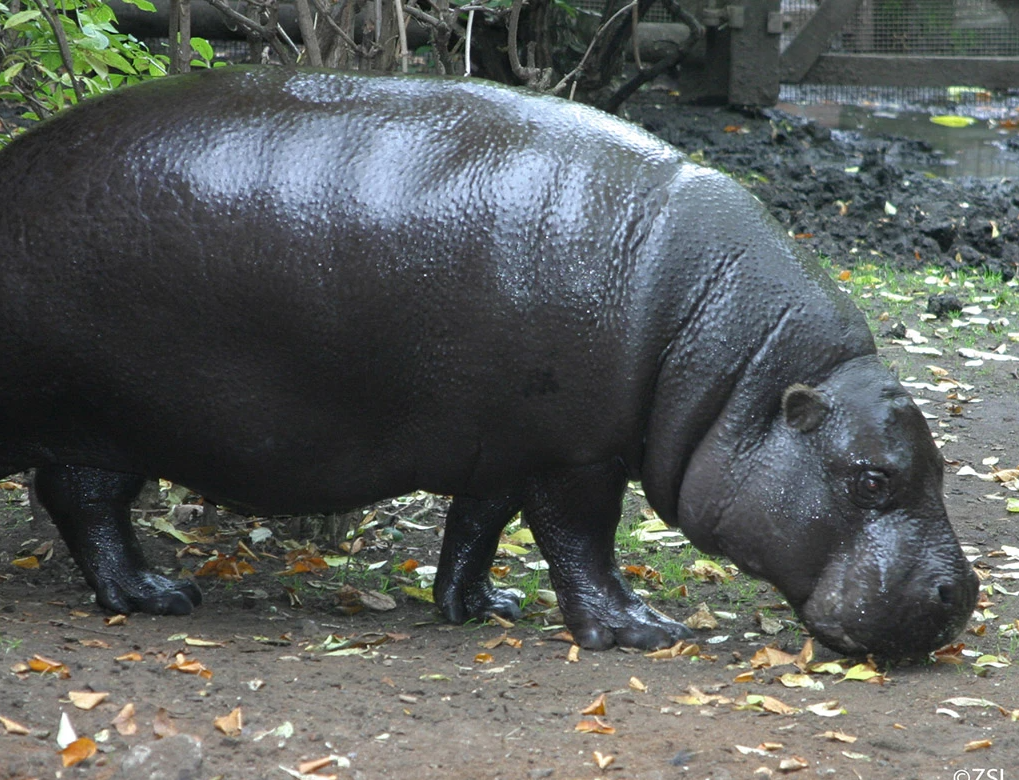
(302, 292)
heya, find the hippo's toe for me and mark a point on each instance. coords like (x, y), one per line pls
(647, 630)
(478, 601)
(150, 593)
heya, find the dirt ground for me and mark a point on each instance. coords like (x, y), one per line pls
(408, 696)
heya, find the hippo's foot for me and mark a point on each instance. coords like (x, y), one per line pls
(92, 510)
(597, 624)
(144, 591)
(574, 515)
(478, 601)
(463, 589)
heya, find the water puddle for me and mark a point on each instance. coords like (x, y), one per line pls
(984, 148)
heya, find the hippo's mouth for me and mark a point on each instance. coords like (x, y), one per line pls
(848, 615)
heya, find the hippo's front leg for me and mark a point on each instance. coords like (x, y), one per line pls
(573, 515)
(463, 589)
(92, 510)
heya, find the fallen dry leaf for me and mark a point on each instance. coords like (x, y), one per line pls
(681, 648)
(162, 725)
(81, 749)
(124, 722)
(806, 655)
(310, 767)
(86, 700)
(837, 736)
(978, 744)
(793, 764)
(226, 567)
(744, 677)
(770, 656)
(603, 761)
(702, 618)
(500, 621)
(231, 724)
(483, 658)
(696, 697)
(28, 562)
(596, 726)
(597, 707)
(99, 644)
(13, 727)
(189, 666)
(194, 641)
(637, 685)
(133, 656)
(116, 620)
(43, 665)
(573, 655)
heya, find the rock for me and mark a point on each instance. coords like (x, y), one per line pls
(175, 758)
(944, 304)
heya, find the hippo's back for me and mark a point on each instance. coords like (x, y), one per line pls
(375, 283)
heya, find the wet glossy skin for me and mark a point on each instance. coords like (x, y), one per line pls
(301, 292)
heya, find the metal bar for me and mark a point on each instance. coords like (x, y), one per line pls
(878, 70)
(812, 40)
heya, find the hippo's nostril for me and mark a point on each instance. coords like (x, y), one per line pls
(947, 594)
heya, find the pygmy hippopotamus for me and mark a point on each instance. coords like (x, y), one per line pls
(301, 291)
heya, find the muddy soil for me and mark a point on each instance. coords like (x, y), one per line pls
(411, 697)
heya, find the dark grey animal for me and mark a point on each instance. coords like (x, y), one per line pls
(304, 291)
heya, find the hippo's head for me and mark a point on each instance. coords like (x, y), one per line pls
(837, 501)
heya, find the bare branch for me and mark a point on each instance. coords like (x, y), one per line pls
(572, 75)
(307, 25)
(49, 11)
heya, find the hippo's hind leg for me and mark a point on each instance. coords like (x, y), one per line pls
(573, 515)
(463, 588)
(92, 510)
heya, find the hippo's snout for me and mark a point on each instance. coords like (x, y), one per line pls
(861, 606)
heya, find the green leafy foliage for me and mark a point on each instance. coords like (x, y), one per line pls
(36, 74)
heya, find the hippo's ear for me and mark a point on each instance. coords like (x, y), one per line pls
(804, 408)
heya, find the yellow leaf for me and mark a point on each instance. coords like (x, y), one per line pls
(574, 654)
(512, 549)
(421, 594)
(522, 536)
(744, 677)
(231, 724)
(133, 656)
(28, 562)
(483, 658)
(196, 642)
(79, 750)
(603, 761)
(86, 700)
(637, 685)
(950, 120)
(790, 680)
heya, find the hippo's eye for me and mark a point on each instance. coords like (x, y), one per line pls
(871, 489)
